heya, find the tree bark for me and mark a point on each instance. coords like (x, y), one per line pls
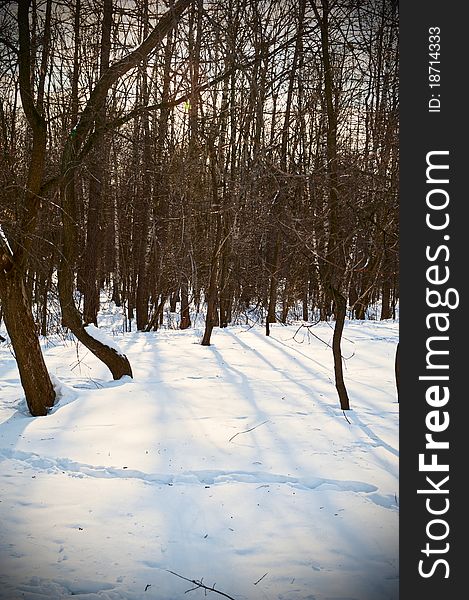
(98, 169)
(117, 363)
(143, 199)
(71, 317)
(212, 293)
(19, 321)
(386, 312)
(340, 313)
(16, 305)
(334, 270)
(304, 302)
(225, 291)
(273, 286)
(211, 301)
(185, 314)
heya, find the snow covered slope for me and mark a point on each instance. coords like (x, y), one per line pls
(126, 481)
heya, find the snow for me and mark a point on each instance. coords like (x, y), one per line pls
(127, 480)
(5, 240)
(101, 336)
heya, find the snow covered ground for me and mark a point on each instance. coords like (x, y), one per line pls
(126, 481)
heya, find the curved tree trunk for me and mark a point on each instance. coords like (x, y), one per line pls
(117, 363)
(16, 305)
(19, 321)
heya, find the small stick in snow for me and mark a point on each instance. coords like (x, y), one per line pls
(247, 430)
(261, 578)
(96, 383)
(346, 418)
(308, 327)
(198, 584)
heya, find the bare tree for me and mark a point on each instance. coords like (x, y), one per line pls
(242, 160)
(14, 258)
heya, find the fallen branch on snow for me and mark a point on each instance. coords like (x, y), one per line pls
(200, 585)
(261, 578)
(247, 430)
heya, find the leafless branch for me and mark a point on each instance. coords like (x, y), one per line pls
(255, 583)
(198, 584)
(247, 430)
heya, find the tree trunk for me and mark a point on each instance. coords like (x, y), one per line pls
(211, 298)
(334, 271)
(185, 314)
(141, 299)
(118, 364)
(143, 199)
(305, 315)
(16, 305)
(285, 303)
(156, 319)
(360, 308)
(212, 293)
(71, 318)
(386, 312)
(273, 287)
(173, 300)
(340, 313)
(98, 170)
(225, 292)
(92, 252)
(19, 321)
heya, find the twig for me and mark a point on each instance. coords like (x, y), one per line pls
(308, 327)
(96, 383)
(254, 323)
(261, 578)
(321, 340)
(199, 584)
(247, 430)
(346, 418)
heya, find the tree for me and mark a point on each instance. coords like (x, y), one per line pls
(15, 257)
(242, 160)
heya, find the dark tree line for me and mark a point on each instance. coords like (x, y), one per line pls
(235, 157)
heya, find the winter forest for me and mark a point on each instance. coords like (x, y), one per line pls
(199, 285)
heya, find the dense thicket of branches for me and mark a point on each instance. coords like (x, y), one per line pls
(244, 156)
